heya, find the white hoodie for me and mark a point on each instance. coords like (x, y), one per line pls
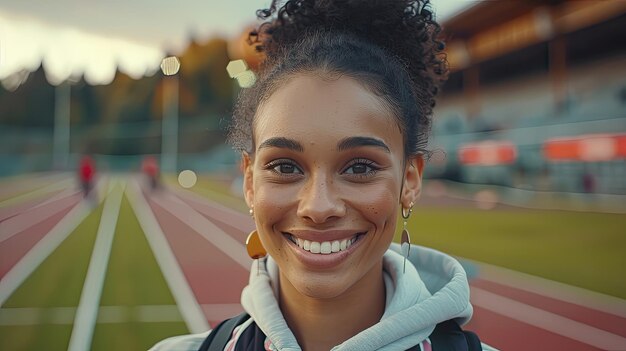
(433, 289)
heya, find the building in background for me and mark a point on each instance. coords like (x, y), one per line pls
(536, 96)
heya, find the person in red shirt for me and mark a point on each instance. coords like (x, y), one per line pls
(86, 174)
(150, 168)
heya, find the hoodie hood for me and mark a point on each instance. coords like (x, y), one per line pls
(432, 289)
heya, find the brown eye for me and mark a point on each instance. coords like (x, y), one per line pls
(287, 168)
(359, 168)
(284, 167)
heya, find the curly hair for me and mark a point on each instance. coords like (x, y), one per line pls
(389, 46)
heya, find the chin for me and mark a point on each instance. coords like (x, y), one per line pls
(320, 286)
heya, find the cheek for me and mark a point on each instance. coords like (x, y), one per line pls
(272, 202)
(378, 204)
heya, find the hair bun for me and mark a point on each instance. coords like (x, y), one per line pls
(404, 28)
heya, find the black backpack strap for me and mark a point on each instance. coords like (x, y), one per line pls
(221, 334)
(448, 336)
(473, 342)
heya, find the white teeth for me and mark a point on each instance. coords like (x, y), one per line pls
(324, 247)
(343, 244)
(315, 247)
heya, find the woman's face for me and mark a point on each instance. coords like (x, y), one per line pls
(325, 182)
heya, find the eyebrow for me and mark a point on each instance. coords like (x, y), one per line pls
(354, 142)
(344, 144)
(282, 143)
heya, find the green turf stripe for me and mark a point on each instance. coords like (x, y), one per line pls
(35, 337)
(57, 282)
(133, 278)
(580, 249)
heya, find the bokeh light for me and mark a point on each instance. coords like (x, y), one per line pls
(170, 65)
(187, 178)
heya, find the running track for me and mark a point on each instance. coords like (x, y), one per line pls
(512, 312)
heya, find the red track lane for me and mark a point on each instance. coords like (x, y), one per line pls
(16, 209)
(14, 188)
(14, 248)
(34, 214)
(508, 334)
(601, 320)
(213, 276)
(223, 219)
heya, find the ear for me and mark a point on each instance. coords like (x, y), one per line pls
(412, 186)
(248, 186)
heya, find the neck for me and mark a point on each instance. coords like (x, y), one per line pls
(321, 324)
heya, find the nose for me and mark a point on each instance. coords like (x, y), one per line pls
(320, 201)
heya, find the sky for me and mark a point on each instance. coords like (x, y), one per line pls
(94, 37)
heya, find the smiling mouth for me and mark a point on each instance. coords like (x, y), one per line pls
(324, 247)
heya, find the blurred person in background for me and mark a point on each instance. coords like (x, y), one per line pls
(86, 174)
(150, 168)
(333, 137)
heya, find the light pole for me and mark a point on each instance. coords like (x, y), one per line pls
(61, 132)
(169, 130)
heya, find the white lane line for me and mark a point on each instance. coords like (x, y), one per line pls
(57, 315)
(552, 289)
(547, 320)
(62, 195)
(37, 192)
(40, 251)
(184, 297)
(87, 312)
(33, 216)
(67, 192)
(224, 242)
(234, 218)
(106, 314)
(17, 210)
(11, 187)
(163, 313)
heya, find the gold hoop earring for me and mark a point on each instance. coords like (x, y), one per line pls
(255, 248)
(405, 241)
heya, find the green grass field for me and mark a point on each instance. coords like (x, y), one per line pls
(580, 249)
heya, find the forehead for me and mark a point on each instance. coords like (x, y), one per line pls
(313, 108)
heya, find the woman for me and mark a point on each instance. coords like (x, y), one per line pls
(333, 138)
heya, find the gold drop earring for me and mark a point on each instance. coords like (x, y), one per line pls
(254, 246)
(405, 241)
